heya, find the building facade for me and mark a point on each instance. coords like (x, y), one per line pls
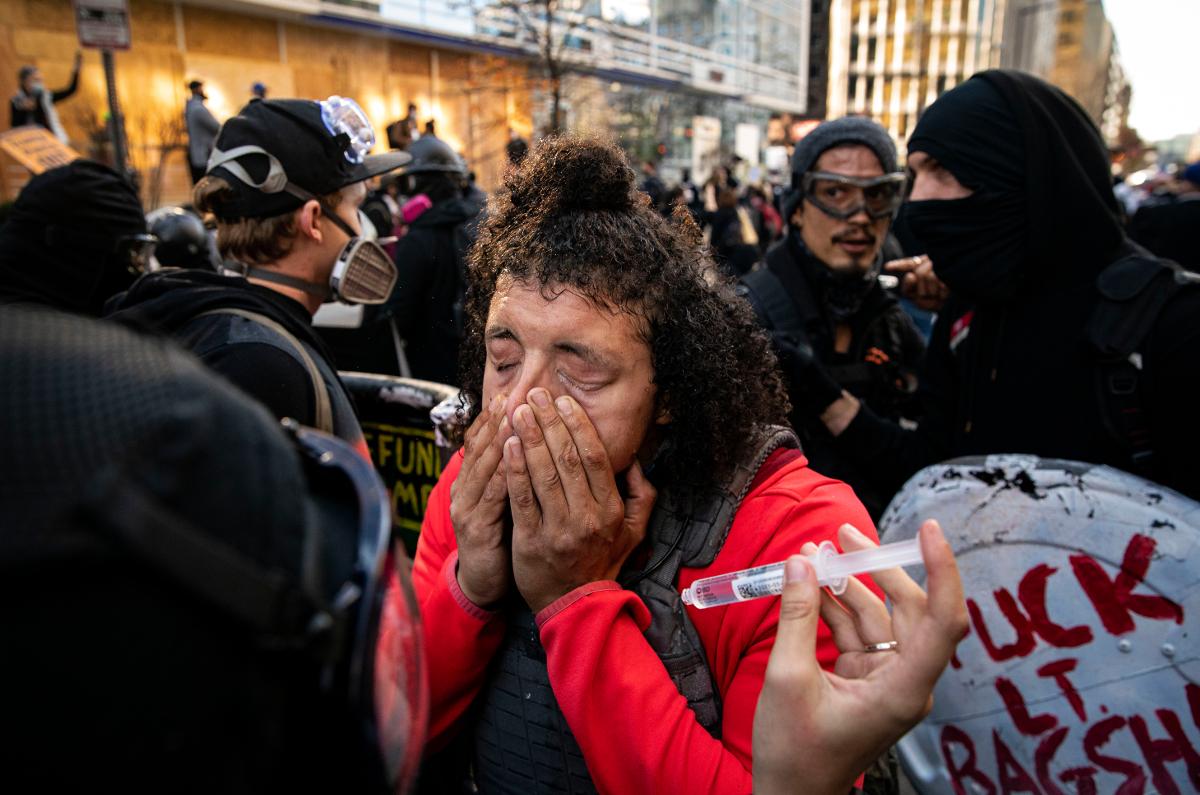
(476, 69)
(1071, 44)
(889, 59)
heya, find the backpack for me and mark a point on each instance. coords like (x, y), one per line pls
(1133, 292)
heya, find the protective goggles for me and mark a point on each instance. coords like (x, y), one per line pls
(843, 197)
(351, 609)
(345, 117)
(136, 251)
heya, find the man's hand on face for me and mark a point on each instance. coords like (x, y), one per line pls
(477, 501)
(918, 283)
(570, 523)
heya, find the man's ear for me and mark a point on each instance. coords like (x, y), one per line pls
(661, 415)
(797, 214)
(309, 220)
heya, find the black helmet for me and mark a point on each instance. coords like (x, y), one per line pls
(182, 239)
(225, 576)
(430, 153)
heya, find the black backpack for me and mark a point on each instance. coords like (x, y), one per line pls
(1133, 292)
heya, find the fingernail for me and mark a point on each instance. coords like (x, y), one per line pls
(539, 398)
(524, 416)
(565, 406)
(503, 425)
(854, 531)
(796, 569)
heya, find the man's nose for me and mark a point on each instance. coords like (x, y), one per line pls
(534, 374)
(860, 217)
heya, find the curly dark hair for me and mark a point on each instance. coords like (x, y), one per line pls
(571, 217)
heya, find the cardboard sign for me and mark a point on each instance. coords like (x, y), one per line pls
(1081, 669)
(103, 24)
(36, 148)
(394, 414)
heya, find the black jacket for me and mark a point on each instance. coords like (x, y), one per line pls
(1169, 230)
(19, 116)
(1023, 379)
(879, 367)
(429, 285)
(169, 302)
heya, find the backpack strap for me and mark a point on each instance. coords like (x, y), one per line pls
(1133, 291)
(771, 302)
(324, 418)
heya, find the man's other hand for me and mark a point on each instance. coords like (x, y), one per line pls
(478, 497)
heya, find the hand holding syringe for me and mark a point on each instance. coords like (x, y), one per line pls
(832, 569)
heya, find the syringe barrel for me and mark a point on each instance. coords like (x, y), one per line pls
(864, 561)
(736, 586)
(832, 570)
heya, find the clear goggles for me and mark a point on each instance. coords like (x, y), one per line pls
(843, 197)
(344, 116)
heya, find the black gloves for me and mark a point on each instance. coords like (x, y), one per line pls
(810, 387)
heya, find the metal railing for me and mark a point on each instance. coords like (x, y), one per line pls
(593, 44)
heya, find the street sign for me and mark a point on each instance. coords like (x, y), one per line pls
(1081, 671)
(36, 148)
(103, 24)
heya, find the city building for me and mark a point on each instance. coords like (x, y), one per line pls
(1071, 44)
(478, 69)
(889, 59)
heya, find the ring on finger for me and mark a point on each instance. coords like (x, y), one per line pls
(887, 645)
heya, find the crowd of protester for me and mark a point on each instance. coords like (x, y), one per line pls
(659, 382)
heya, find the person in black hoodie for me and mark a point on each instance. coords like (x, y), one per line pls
(820, 298)
(425, 308)
(1060, 337)
(75, 237)
(284, 183)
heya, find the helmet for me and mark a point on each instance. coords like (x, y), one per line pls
(182, 239)
(248, 626)
(430, 153)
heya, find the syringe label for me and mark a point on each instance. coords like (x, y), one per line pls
(763, 584)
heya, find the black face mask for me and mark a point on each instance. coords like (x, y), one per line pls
(977, 244)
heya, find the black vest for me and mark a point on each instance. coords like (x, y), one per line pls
(520, 740)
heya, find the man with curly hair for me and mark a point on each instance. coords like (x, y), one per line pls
(625, 440)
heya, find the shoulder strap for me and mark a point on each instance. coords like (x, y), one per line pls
(772, 303)
(1133, 291)
(324, 418)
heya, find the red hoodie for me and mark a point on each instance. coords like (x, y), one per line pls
(636, 731)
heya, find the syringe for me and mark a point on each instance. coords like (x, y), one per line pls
(832, 569)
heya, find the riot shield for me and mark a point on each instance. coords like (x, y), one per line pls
(1081, 668)
(405, 447)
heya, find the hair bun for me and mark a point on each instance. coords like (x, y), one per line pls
(570, 174)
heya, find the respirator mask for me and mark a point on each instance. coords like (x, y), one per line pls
(363, 273)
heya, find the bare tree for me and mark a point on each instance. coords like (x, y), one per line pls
(549, 27)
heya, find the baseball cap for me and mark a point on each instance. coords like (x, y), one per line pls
(275, 145)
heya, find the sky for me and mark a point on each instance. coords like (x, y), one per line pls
(1158, 49)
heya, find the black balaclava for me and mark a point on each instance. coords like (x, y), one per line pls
(58, 246)
(1042, 208)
